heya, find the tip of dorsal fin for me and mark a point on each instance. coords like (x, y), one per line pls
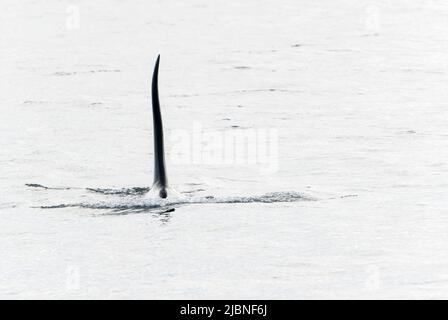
(160, 178)
(156, 66)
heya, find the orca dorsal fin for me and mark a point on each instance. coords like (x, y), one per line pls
(160, 179)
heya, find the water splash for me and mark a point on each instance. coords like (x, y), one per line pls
(122, 191)
(39, 186)
(134, 200)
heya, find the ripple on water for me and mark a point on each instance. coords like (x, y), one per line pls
(135, 199)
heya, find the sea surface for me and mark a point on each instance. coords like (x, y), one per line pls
(342, 194)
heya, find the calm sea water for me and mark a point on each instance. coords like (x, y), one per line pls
(348, 201)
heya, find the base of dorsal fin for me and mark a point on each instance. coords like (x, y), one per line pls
(158, 192)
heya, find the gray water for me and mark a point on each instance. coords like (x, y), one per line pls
(353, 204)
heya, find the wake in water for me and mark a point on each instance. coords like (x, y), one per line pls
(133, 200)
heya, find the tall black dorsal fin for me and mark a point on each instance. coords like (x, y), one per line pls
(160, 178)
